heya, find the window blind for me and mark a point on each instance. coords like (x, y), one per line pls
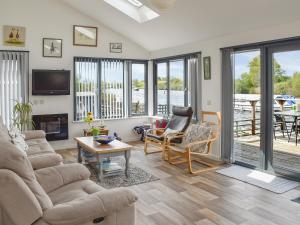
(102, 86)
(13, 82)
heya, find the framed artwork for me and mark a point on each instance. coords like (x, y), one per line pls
(115, 47)
(207, 68)
(14, 36)
(52, 47)
(85, 36)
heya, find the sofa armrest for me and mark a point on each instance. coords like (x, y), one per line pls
(54, 177)
(33, 134)
(86, 209)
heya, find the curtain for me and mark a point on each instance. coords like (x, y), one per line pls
(13, 82)
(194, 84)
(227, 105)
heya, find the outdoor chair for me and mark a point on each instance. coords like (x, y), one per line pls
(281, 123)
(179, 122)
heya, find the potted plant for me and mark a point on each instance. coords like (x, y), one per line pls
(94, 131)
(22, 116)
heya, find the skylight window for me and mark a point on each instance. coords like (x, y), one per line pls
(136, 3)
(134, 9)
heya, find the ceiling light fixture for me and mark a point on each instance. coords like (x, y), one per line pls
(162, 5)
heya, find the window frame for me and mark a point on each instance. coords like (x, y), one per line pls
(167, 60)
(127, 84)
(145, 63)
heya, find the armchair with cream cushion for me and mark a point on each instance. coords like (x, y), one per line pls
(59, 195)
(196, 143)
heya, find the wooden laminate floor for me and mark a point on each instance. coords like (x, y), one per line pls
(207, 199)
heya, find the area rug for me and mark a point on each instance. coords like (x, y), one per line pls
(136, 176)
(263, 180)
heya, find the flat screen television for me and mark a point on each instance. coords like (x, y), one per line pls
(50, 82)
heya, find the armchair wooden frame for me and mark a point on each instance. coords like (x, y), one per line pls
(162, 145)
(186, 155)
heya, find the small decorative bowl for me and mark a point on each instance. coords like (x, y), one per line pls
(104, 139)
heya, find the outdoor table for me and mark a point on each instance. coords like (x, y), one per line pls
(295, 115)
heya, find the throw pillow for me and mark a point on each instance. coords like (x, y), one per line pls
(18, 139)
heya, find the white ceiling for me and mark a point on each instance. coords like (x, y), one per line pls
(192, 20)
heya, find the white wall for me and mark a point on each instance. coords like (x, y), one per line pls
(53, 19)
(211, 90)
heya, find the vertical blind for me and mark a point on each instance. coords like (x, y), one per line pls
(112, 89)
(86, 85)
(102, 87)
(13, 82)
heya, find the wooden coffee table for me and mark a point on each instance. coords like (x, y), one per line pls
(102, 152)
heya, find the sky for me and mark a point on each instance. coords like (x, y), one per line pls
(289, 61)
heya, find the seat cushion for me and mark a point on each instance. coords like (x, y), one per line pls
(73, 191)
(156, 137)
(43, 160)
(39, 145)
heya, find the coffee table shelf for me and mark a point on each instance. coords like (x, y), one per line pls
(102, 152)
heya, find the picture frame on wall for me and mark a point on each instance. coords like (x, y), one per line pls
(85, 36)
(52, 47)
(14, 36)
(207, 67)
(115, 47)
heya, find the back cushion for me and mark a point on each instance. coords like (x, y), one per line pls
(179, 123)
(13, 159)
(195, 133)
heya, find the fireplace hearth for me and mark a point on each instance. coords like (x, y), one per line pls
(54, 125)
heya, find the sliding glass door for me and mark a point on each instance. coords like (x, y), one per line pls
(286, 107)
(247, 101)
(266, 107)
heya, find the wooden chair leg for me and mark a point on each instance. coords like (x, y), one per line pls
(145, 146)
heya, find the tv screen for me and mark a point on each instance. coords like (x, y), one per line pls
(50, 82)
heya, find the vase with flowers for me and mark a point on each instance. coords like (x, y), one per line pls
(89, 120)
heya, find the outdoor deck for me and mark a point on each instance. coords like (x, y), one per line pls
(286, 154)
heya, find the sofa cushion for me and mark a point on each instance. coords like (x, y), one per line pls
(43, 160)
(37, 146)
(34, 134)
(13, 159)
(73, 191)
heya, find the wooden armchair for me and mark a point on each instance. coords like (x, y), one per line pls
(196, 143)
(179, 122)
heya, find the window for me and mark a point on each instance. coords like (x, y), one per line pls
(134, 9)
(13, 82)
(177, 83)
(102, 87)
(176, 80)
(138, 88)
